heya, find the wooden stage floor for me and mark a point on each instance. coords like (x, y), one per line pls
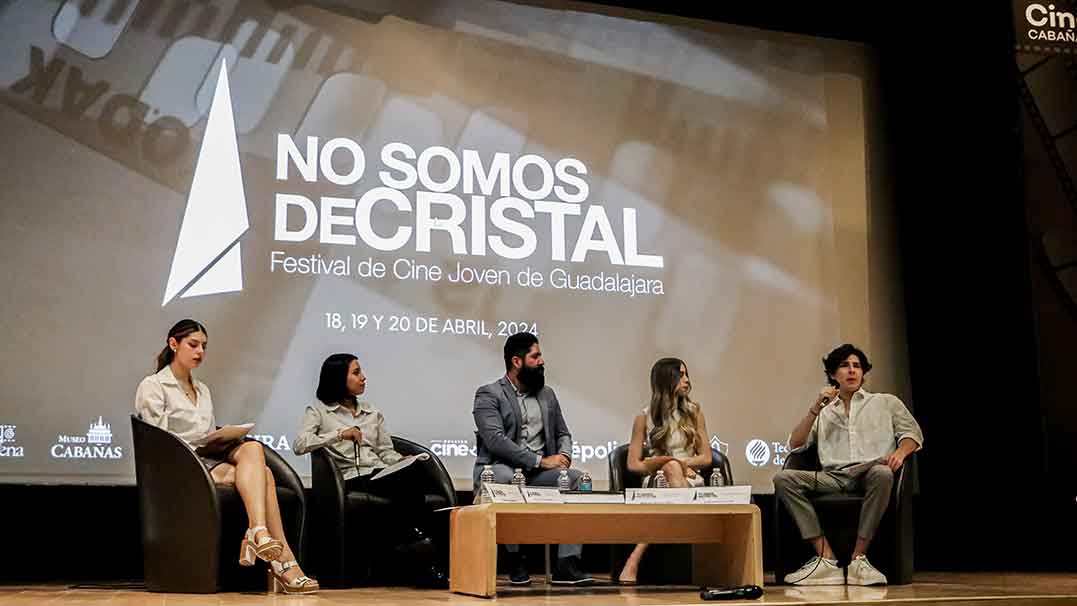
(980, 589)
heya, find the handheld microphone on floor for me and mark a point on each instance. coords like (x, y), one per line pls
(743, 592)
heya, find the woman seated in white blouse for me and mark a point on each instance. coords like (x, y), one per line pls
(353, 433)
(175, 401)
(670, 436)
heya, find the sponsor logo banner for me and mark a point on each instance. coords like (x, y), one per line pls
(1045, 27)
(8, 448)
(96, 443)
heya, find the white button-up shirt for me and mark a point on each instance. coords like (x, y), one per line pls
(876, 423)
(160, 400)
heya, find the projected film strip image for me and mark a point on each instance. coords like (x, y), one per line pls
(413, 182)
(1047, 86)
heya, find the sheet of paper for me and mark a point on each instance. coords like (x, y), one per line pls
(659, 496)
(502, 493)
(594, 497)
(401, 464)
(540, 494)
(724, 495)
(228, 433)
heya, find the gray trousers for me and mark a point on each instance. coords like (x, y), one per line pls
(794, 488)
(539, 477)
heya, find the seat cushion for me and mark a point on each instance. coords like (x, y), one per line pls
(354, 500)
(436, 501)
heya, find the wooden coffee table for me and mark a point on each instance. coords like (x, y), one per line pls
(727, 539)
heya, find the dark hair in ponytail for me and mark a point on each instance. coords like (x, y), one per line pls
(179, 332)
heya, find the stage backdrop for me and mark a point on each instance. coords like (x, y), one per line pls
(413, 182)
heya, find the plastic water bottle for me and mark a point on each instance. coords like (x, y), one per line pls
(487, 476)
(563, 483)
(518, 478)
(717, 479)
(660, 479)
(585, 482)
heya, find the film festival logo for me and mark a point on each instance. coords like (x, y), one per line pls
(207, 260)
(96, 444)
(7, 447)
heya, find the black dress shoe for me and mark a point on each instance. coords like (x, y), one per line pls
(416, 544)
(568, 573)
(433, 578)
(518, 570)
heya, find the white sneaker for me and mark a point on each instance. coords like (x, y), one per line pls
(861, 572)
(817, 571)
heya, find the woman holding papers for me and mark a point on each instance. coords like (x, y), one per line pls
(353, 433)
(668, 436)
(173, 399)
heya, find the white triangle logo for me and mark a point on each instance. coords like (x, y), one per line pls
(207, 259)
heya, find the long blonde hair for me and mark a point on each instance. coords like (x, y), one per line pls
(665, 376)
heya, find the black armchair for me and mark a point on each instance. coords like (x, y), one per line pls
(191, 527)
(661, 564)
(341, 516)
(892, 547)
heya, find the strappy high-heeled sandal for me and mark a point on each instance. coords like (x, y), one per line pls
(299, 585)
(267, 549)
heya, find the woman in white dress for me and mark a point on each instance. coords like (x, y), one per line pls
(667, 436)
(174, 400)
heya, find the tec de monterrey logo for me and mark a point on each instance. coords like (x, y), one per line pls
(207, 259)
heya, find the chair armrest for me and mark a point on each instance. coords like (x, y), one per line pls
(903, 483)
(720, 461)
(327, 483)
(619, 475)
(168, 472)
(177, 501)
(807, 459)
(435, 469)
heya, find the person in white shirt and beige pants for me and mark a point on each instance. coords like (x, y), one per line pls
(852, 428)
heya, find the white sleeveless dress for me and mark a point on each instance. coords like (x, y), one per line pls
(676, 444)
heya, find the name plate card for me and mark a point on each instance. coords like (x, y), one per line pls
(724, 495)
(502, 493)
(538, 494)
(659, 496)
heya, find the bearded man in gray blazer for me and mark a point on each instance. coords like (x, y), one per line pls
(519, 425)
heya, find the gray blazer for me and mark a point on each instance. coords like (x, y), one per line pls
(498, 420)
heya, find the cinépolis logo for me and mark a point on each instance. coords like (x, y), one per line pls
(1045, 27)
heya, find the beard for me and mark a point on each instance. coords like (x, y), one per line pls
(532, 378)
